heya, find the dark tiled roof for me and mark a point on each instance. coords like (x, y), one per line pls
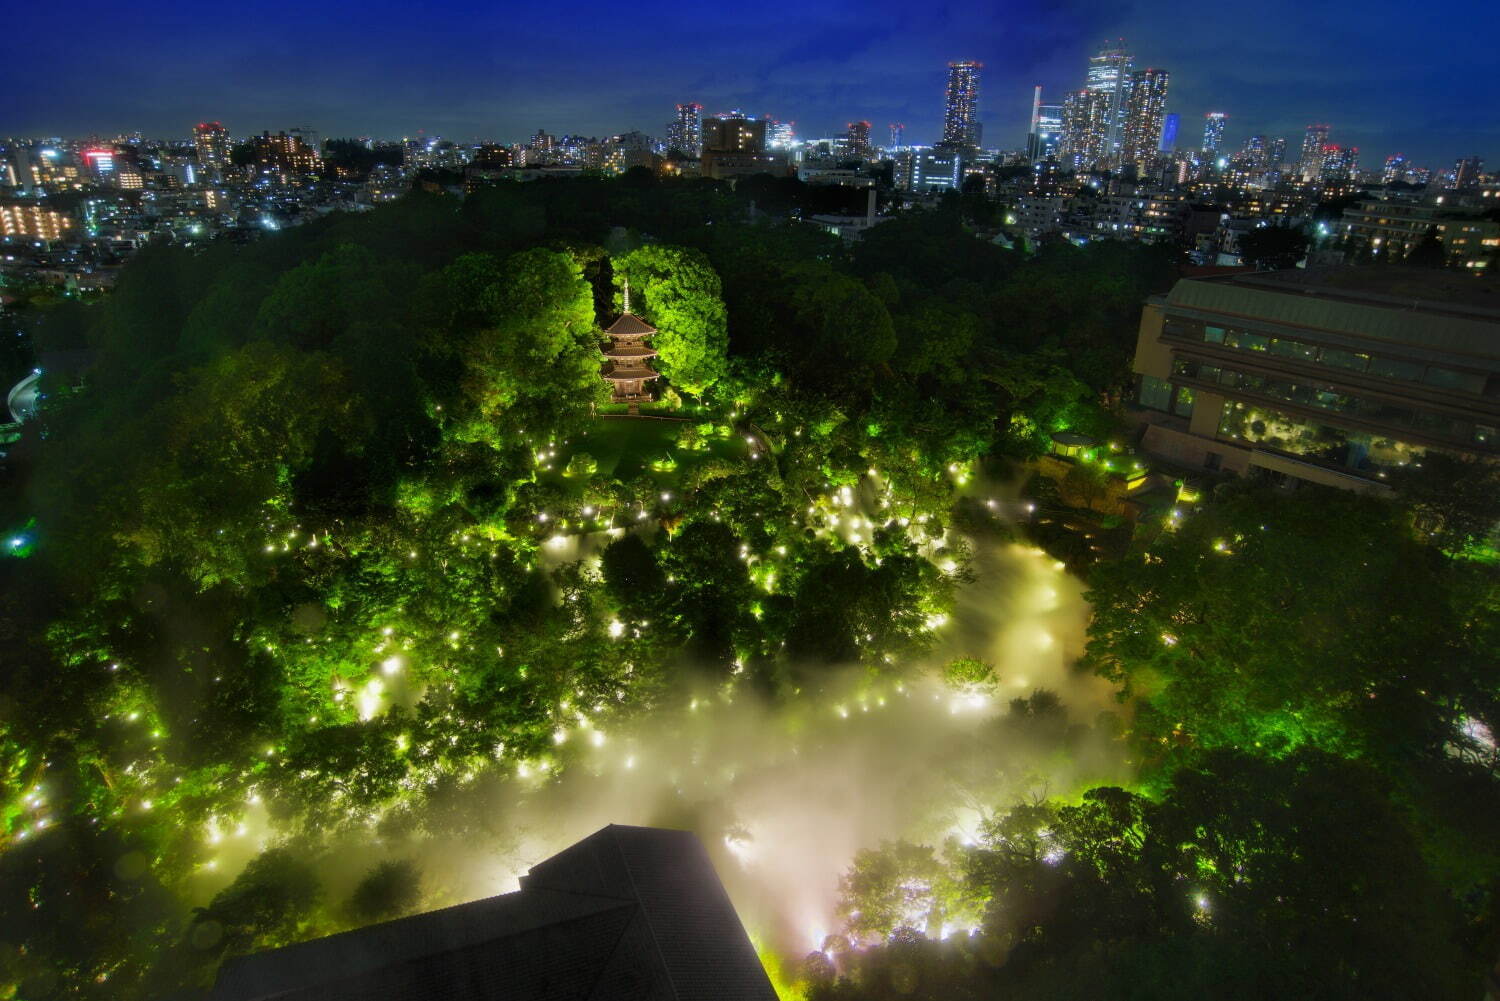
(627, 914)
(628, 324)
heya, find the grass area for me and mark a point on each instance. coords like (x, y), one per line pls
(624, 448)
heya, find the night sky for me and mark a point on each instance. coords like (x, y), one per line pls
(1389, 76)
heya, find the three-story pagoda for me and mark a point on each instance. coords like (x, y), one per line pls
(628, 357)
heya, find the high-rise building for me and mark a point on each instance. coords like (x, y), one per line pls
(1466, 173)
(285, 153)
(1145, 111)
(857, 140)
(961, 130)
(685, 132)
(781, 135)
(898, 135)
(1085, 129)
(1394, 170)
(1046, 129)
(734, 133)
(734, 144)
(1109, 75)
(1254, 152)
(1310, 166)
(1276, 153)
(211, 142)
(1169, 127)
(1340, 164)
(1213, 131)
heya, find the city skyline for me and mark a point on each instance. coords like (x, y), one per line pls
(492, 78)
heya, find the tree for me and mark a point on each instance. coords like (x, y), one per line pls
(1428, 252)
(1273, 248)
(1273, 621)
(899, 885)
(677, 291)
(1456, 500)
(275, 895)
(389, 890)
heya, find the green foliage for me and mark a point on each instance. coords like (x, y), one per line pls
(967, 674)
(1272, 621)
(677, 291)
(1274, 248)
(1296, 875)
(389, 890)
(1456, 500)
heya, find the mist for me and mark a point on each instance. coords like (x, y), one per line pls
(785, 795)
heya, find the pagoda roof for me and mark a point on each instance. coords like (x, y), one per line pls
(623, 373)
(630, 351)
(629, 324)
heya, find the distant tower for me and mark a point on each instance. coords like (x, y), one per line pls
(1046, 128)
(857, 140)
(685, 133)
(627, 365)
(1310, 166)
(1213, 131)
(1109, 77)
(961, 129)
(1085, 129)
(1277, 154)
(898, 135)
(1395, 169)
(1466, 173)
(1144, 118)
(211, 141)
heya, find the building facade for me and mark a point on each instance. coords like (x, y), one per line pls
(30, 220)
(1213, 132)
(1109, 77)
(1310, 166)
(1085, 129)
(211, 145)
(685, 132)
(1145, 110)
(961, 129)
(1332, 376)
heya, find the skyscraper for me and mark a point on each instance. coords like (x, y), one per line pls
(1276, 156)
(1109, 75)
(1466, 173)
(781, 135)
(1395, 169)
(1340, 164)
(1213, 131)
(857, 140)
(1046, 129)
(1169, 133)
(961, 129)
(1310, 166)
(685, 132)
(898, 135)
(1145, 110)
(1085, 129)
(1254, 153)
(211, 141)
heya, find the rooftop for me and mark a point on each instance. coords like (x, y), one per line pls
(629, 324)
(627, 913)
(1432, 310)
(1425, 289)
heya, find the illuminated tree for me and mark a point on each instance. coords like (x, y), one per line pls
(677, 292)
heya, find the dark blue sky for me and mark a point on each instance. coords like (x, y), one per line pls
(1388, 76)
